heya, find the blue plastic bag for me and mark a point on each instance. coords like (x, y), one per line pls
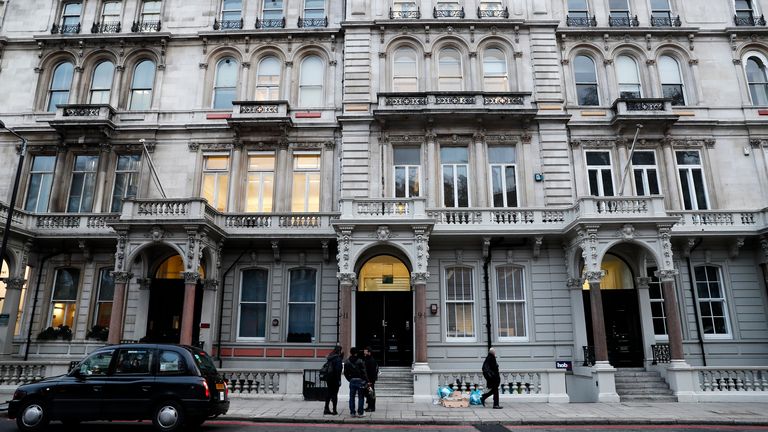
(444, 391)
(475, 398)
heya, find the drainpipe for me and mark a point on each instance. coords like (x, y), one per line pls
(41, 264)
(695, 306)
(338, 309)
(221, 308)
(486, 283)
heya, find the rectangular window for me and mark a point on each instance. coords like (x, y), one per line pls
(600, 173)
(134, 361)
(619, 10)
(692, 184)
(448, 6)
(103, 307)
(744, 11)
(261, 182)
(455, 169)
(661, 11)
(301, 305)
(459, 303)
(231, 10)
(150, 16)
(253, 304)
(110, 17)
(40, 182)
(510, 301)
(215, 186)
(503, 176)
(70, 17)
(64, 297)
(305, 196)
(273, 10)
(710, 294)
(407, 161)
(404, 6)
(83, 184)
(645, 171)
(126, 180)
(578, 9)
(658, 315)
(314, 9)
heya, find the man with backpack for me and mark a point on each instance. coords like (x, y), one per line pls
(372, 370)
(354, 371)
(331, 374)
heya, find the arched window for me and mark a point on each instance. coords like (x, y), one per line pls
(101, 83)
(268, 79)
(671, 80)
(141, 85)
(586, 81)
(449, 70)
(60, 84)
(758, 80)
(225, 83)
(495, 77)
(405, 75)
(628, 77)
(311, 82)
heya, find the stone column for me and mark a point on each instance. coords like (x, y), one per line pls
(432, 178)
(428, 83)
(287, 90)
(13, 287)
(419, 282)
(101, 179)
(598, 320)
(481, 168)
(188, 313)
(75, 93)
(674, 327)
(118, 307)
(245, 79)
(117, 80)
(348, 281)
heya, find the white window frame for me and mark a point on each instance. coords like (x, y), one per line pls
(272, 90)
(217, 87)
(152, 14)
(577, 83)
(754, 12)
(85, 184)
(305, 15)
(64, 15)
(316, 321)
(655, 282)
(267, 12)
(487, 75)
(134, 88)
(43, 175)
(644, 169)
(404, 6)
(500, 302)
(473, 303)
(260, 173)
(407, 169)
(295, 170)
(100, 90)
(680, 77)
(454, 166)
(69, 303)
(265, 303)
(133, 176)
(97, 302)
(503, 167)
(624, 81)
(396, 77)
(627, 11)
(311, 85)
(441, 77)
(111, 18)
(52, 90)
(582, 13)
(599, 169)
(723, 299)
(689, 168)
(667, 11)
(226, 11)
(764, 83)
(217, 174)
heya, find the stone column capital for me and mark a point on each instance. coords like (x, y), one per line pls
(14, 283)
(210, 284)
(122, 277)
(574, 284)
(419, 278)
(643, 282)
(347, 279)
(144, 283)
(191, 277)
(666, 275)
(594, 276)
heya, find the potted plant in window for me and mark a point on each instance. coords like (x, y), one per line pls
(98, 332)
(53, 333)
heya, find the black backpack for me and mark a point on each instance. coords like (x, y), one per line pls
(325, 371)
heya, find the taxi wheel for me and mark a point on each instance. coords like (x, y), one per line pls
(33, 416)
(168, 416)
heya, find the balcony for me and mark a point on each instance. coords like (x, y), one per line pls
(722, 222)
(106, 27)
(623, 21)
(85, 119)
(270, 23)
(65, 29)
(666, 21)
(455, 104)
(648, 111)
(493, 13)
(146, 26)
(60, 225)
(228, 24)
(748, 21)
(448, 13)
(581, 21)
(404, 14)
(312, 22)
(248, 114)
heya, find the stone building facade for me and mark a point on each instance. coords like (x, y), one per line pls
(579, 181)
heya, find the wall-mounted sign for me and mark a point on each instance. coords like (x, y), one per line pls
(564, 364)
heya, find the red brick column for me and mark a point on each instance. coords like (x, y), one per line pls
(116, 317)
(188, 313)
(598, 319)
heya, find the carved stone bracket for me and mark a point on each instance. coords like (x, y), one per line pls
(666, 275)
(665, 237)
(689, 244)
(121, 276)
(643, 282)
(276, 249)
(486, 246)
(210, 284)
(191, 277)
(344, 247)
(594, 276)
(421, 235)
(144, 283)
(419, 278)
(537, 242)
(735, 246)
(574, 284)
(326, 251)
(588, 243)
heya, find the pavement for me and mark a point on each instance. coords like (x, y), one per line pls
(400, 411)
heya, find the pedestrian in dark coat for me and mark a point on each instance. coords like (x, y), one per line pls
(372, 370)
(354, 372)
(333, 381)
(492, 377)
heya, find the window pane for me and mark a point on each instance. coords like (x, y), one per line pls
(102, 76)
(65, 287)
(144, 75)
(644, 158)
(413, 178)
(701, 194)
(306, 162)
(106, 286)
(303, 285)
(454, 155)
(133, 362)
(407, 156)
(501, 155)
(587, 94)
(96, 364)
(254, 286)
(607, 183)
(253, 320)
(598, 158)
(584, 70)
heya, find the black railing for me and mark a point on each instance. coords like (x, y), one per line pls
(623, 21)
(312, 22)
(748, 21)
(65, 29)
(448, 13)
(314, 388)
(661, 353)
(227, 24)
(106, 27)
(146, 26)
(644, 104)
(404, 14)
(589, 355)
(493, 13)
(666, 21)
(270, 23)
(581, 21)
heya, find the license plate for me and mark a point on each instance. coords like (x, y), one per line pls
(219, 386)
(221, 396)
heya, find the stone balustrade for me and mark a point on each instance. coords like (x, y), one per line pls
(746, 379)
(719, 220)
(263, 382)
(15, 373)
(455, 103)
(532, 385)
(387, 208)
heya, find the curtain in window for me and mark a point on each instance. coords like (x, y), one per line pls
(141, 86)
(60, 85)
(301, 305)
(311, 82)
(225, 86)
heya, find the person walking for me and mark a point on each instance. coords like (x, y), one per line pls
(354, 371)
(333, 380)
(492, 377)
(372, 370)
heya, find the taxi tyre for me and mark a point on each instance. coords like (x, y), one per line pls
(168, 416)
(31, 408)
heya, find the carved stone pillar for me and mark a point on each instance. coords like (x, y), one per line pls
(13, 287)
(432, 175)
(118, 306)
(598, 319)
(188, 313)
(419, 281)
(348, 281)
(674, 327)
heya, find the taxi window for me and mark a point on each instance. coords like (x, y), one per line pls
(171, 363)
(133, 361)
(97, 364)
(204, 362)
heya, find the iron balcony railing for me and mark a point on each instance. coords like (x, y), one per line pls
(270, 23)
(623, 21)
(589, 355)
(661, 353)
(581, 21)
(405, 14)
(106, 27)
(65, 29)
(227, 24)
(146, 26)
(493, 13)
(448, 13)
(748, 21)
(666, 21)
(312, 22)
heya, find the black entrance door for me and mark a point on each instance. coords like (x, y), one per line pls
(166, 307)
(622, 327)
(384, 323)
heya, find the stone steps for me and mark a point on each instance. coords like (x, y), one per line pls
(395, 382)
(638, 385)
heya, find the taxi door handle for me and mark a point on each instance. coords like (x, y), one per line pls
(146, 388)
(97, 388)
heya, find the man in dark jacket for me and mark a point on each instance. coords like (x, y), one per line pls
(492, 377)
(354, 371)
(333, 380)
(372, 370)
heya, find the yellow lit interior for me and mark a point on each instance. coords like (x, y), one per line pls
(173, 267)
(385, 273)
(617, 275)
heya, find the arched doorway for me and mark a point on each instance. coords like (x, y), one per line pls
(166, 303)
(384, 311)
(621, 312)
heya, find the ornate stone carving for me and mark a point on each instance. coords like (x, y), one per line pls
(121, 276)
(275, 249)
(593, 143)
(15, 283)
(347, 278)
(643, 282)
(344, 238)
(419, 278)
(210, 284)
(588, 243)
(594, 276)
(574, 284)
(665, 238)
(144, 283)
(382, 233)
(666, 275)
(627, 232)
(191, 277)
(326, 252)
(735, 246)
(421, 235)
(693, 143)
(537, 242)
